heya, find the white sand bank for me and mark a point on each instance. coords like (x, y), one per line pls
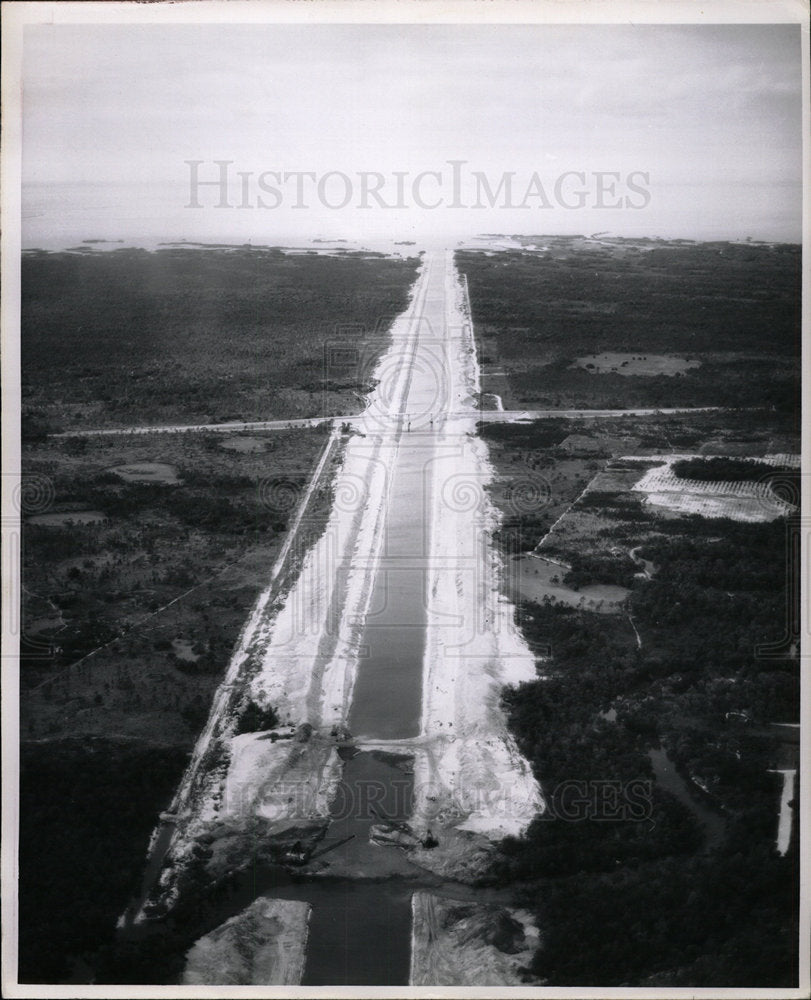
(474, 779)
(301, 656)
(784, 824)
(469, 778)
(265, 945)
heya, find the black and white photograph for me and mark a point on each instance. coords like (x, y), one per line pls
(403, 552)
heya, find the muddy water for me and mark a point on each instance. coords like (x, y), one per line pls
(360, 893)
(387, 696)
(360, 928)
(359, 931)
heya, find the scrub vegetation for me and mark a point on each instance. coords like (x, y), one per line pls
(734, 308)
(132, 605)
(699, 662)
(131, 337)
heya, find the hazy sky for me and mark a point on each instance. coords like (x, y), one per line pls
(711, 114)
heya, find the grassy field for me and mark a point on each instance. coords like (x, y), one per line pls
(183, 336)
(544, 465)
(209, 529)
(708, 323)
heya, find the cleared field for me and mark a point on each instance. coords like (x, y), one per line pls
(147, 472)
(635, 364)
(244, 444)
(741, 500)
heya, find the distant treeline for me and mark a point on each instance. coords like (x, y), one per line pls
(202, 335)
(736, 308)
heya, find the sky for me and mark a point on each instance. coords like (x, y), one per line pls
(653, 130)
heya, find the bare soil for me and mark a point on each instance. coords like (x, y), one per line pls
(635, 364)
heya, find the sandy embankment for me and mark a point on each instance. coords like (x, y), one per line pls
(264, 945)
(456, 943)
(783, 840)
(471, 785)
(472, 780)
(299, 657)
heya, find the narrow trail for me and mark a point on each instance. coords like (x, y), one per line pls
(636, 632)
(498, 415)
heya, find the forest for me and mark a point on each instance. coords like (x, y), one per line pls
(733, 307)
(649, 900)
(725, 470)
(163, 582)
(87, 809)
(132, 337)
(700, 664)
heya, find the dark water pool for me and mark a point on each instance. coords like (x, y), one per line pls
(387, 700)
(669, 778)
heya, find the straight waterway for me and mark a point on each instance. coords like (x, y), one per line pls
(360, 932)
(388, 690)
(360, 927)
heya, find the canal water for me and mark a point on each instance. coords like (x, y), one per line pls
(360, 924)
(388, 691)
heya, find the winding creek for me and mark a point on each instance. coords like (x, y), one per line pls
(669, 778)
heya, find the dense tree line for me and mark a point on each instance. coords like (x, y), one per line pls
(546, 433)
(203, 335)
(254, 718)
(726, 920)
(652, 902)
(726, 470)
(602, 567)
(87, 809)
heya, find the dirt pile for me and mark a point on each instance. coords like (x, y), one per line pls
(266, 943)
(470, 944)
